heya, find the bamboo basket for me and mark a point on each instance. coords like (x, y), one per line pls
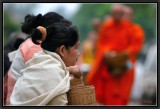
(80, 94)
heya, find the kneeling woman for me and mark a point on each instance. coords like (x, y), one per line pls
(45, 80)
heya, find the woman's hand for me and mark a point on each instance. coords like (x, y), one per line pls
(75, 71)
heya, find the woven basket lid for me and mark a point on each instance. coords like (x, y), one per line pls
(81, 95)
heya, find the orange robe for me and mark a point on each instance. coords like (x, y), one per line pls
(115, 37)
(88, 48)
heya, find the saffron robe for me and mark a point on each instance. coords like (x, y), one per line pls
(118, 37)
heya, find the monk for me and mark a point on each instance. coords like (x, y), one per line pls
(88, 48)
(138, 39)
(116, 36)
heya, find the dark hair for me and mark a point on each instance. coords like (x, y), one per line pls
(57, 34)
(31, 22)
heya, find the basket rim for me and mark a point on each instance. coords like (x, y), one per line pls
(81, 86)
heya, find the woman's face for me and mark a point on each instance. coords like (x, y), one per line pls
(71, 55)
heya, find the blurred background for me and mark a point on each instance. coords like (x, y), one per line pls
(145, 82)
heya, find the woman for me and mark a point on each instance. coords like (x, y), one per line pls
(45, 79)
(28, 49)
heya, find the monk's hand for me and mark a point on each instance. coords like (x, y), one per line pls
(75, 71)
(109, 57)
(123, 56)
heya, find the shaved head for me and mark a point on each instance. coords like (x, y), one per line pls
(117, 7)
(128, 13)
(117, 12)
(96, 22)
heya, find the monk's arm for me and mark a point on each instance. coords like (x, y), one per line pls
(137, 39)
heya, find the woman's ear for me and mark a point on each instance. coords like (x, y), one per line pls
(62, 50)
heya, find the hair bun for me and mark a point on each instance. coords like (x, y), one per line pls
(39, 20)
(28, 24)
(39, 16)
(43, 32)
(29, 18)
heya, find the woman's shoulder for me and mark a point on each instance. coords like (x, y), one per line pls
(45, 63)
(29, 45)
(41, 58)
(28, 49)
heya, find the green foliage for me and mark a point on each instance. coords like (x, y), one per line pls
(9, 26)
(14, 14)
(86, 13)
(144, 14)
